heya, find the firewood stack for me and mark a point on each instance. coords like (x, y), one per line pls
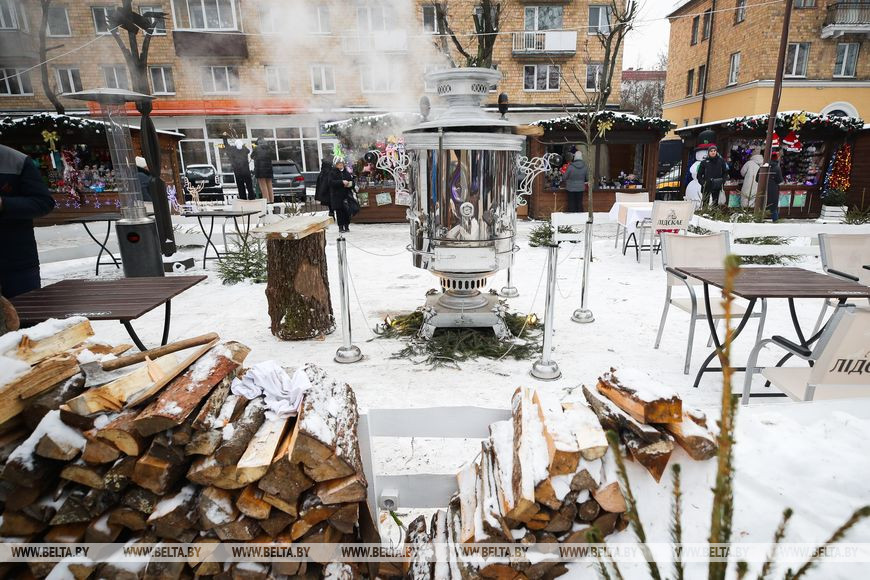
(549, 476)
(166, 452)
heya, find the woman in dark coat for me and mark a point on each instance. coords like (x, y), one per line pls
(340, 188)
(238, 154)
(321, 190)
(263, 169)
(773, 180)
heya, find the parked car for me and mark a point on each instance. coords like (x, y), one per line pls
(204, 174)
(288, 181)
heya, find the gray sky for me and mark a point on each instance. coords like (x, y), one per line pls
(650, 36)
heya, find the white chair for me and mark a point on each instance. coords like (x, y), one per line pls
(242, 228)
(698, 252)
(622, 197)
(844, 256)
(839, 360)
(667, 216)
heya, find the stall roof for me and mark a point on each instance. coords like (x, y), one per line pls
(10, 120)
(620, 120)
(844, 124)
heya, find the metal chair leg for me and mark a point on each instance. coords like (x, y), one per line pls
(761, 320)
(616, 239)
(652, 245)
(664, 317)
(640, 244)
(751, 369)
(821, 317)
(689, 345)
(710, 338)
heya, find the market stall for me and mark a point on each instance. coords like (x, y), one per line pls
(628, 159)
(73, 157)
(815, 156)
(376, 187)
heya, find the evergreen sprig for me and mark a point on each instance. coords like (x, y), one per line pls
(246, 262)
(838, 535)
(777, 538)
(676, 523)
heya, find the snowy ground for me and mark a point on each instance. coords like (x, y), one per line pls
(811, 457)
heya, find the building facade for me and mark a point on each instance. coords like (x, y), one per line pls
(279, 69)
(723, 56)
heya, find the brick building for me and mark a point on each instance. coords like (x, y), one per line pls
(722, 59)
(279, 69)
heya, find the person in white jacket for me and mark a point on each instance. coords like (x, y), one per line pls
(749, 171)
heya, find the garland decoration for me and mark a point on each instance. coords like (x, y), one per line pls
(609, 119)
(794, 121)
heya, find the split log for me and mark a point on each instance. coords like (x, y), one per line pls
(552, 491)
(162, 570)
(127, 518)
(588, 475)
(276, 523)
(563, 449)
(200, 561)
(205, 471)
(530, 459)
(311, 512)
(344, 490)
(208, 414)
(36, 407)
(609, 497)
(237, 435)
(216, 507)
(10, 440)
(279, 503)
(59, 441)
(89, 475)
(588, 510)
(101, 531)
(120, 474)
(489, 505)
(587, 429)
(345, 518)
(203, 443)
(539, 521)
(653, 456)
(250, 502)
(172, 515)
(48, 339)
(563, 519)
(257, 458)
(255, 571)
(22, 497)
(121, 433)
(693, 436)
(230, 410)
(419, 567)
(98, 452)
(66, 534)
(285, 479)
(160, 467)
(83, 506)
(244, 529)
(25, 467)
(645, 404)
(17, 524)
(606, 523)
(140, 500)
(184, 394)
(467, 484)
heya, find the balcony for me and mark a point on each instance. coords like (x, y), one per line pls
(846, 18)
(545, 43)
(210, 43)
(386, 41)
(18, 47)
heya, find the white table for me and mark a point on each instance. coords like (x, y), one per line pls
(627, 215)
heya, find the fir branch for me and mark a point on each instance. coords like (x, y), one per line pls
(838, 535)
(777, 538)
(594, 536)
(742, 570)
(677, 525)
(631, 512)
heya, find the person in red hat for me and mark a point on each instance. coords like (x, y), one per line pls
(712, 174)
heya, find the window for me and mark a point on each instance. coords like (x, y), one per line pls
(734, 69)
(431, 87)
(69, 80)
(430, 19)
(740, 12)
(116, 76)
(101, 18)
(157, 16)
(804, 3)
(58, 22)
(708, 24)
(277, 79)
(205, 14)
(796, 59)
(593, 76)
(702, 79)
(323, 26)
(15, 81)
(690, 82)
(543, 17)
(374, 18)
(847, 59)
(541, 77)
(217, 80)
(322, 78)
(269, 20)
(599, 19)
(696, 22)
(12, 15)
(379, 78)
(162, 81)
(296, 144)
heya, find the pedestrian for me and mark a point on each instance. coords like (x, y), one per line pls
(711, 174)
(749, 171)
(263, 169)
(340, 188)
(144, 178)
(575, 180)
(23, 196)
(774, 178)
(238, 155)
(321, 189)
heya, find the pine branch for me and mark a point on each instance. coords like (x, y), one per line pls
(594, 536)
(838, 535)
(631, 512)
(777, 538)
(676, 524)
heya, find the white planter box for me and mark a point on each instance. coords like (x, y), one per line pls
(834, 214)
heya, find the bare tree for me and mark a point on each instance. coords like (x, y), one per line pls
(125, 19)
(643, 96)
(486, 26)
(47, 88)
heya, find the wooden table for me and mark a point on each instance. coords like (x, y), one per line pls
(212, 214)
(124, 300)
(297, 288)
(59, 219)
(762, 283)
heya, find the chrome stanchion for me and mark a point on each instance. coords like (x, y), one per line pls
(546, 369)
(509, 291)
(583, 315)
(348, 352)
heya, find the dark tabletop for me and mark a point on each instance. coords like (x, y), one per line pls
(218, 213)
(60, 219)
(123, 299)
(778, 282)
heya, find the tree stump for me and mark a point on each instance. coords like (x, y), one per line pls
(298, 287)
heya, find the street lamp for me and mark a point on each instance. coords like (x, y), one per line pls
(137, 233)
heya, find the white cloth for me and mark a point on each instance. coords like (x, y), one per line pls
(628, 214)
(693, 189)
(282, 394)
(750, 185)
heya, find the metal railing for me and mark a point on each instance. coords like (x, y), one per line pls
(848, 14)
(532, 41)
(387, 41)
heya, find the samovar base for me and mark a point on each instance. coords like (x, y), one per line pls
(487, 315)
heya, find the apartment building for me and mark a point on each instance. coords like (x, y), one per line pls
(280, 69)
(723, 56)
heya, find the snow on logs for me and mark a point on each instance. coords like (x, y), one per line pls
(167, 453)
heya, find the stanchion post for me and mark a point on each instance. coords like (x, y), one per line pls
(348, 352)
(510, 291)
(583, 315)
(547, 369)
